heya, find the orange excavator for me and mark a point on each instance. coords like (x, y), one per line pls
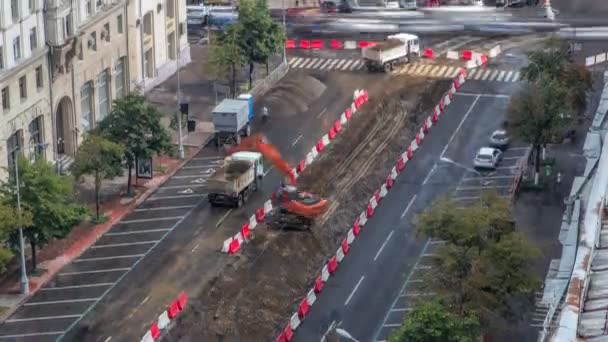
(292, 208)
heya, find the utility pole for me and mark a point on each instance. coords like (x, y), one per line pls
(25, 285)
(284, 31)
(180, 144)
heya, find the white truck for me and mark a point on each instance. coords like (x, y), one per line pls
(396, 49)
(236, 179)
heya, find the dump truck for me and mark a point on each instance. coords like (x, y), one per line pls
(231, 119)
(236, 179)
(395, 50)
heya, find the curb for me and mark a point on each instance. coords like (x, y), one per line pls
(286, 334)
(97, 232)
(233, 244)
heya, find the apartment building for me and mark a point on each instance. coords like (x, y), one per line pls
(158, 41)
(25, 115)
(88, 56)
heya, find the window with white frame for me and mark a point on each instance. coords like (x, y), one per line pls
(103, 94)
(149, 63)
(86, 105)
(36, 140)
(14, 145)
(17, 48)
(170, 10)
(39, 77)
(1, 58)
(6, 98)
(89, 7)
(119, 78)
(171, 46)
(148, 23)
(23, 87)
(119, 27)
(33, 39)
(15, 9)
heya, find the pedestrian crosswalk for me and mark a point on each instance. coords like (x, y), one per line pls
(326, 63)
(478, 74)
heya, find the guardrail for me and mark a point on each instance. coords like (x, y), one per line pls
(262, 86)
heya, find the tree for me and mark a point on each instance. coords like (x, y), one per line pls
(431, 321)
(259, 36)
(10, 221)
(484, 262)
(137, 126)
(49, 198)
(539, 114)
(226, 56)
(101, 158)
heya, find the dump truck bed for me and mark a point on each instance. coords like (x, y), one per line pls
(232, 177)
(388, 50)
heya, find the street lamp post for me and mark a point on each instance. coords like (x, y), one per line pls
(343, 333)
(180, 144)
(25, 286)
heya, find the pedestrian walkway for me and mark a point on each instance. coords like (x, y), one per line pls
(343, 64)
(445, 71)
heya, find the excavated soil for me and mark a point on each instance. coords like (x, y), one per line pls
(254, 295)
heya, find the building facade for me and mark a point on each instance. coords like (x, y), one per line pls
(25, 112)
(158, 41)
(88, 56)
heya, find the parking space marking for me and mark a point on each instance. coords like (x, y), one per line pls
(506, 167)
(166, 208)
(75, 286)
(109, 258)
(194, 167)
(481, 187)
(187, 186)
(152, 219)
(465, 198)
(484, 178)
(17, 320)
(122, 269)
(156, 198)
(223, 218)
(500, 96)
(401, 310)
(189, 176)
(49, 333)
(51, 302)
(510, 158)
(124, 244)
(139, 232)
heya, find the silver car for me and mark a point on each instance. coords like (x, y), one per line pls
(487, 158)
(499, 139)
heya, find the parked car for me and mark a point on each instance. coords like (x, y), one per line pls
(487, 158)
(499, 139)
(196, 16)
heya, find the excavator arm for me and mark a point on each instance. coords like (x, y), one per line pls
(259, 143)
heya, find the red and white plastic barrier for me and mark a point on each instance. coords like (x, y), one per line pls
(165, 318)
(233, 244)
(477, 60)
(318, 44)
(334, 261)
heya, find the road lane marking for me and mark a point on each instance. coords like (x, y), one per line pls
(354, 290)
(49, 333)
(339, 66)
(188, 176)
(325, 64)
(465, 198)
(296, 141)
(402, 310)
(293, 60)
(75, 286)
(428, 176)
(484, 178)
(501, 76)
(195, 248)
(109, 258)
(186, 186)
(322, 112)
(223, 218)
(138, 232)
(166, 208)
(208, 158)
(515, 77)
(44, 318)
(500, 96)
(508, 76)
(345, 66)
(331, 326)
(270, 168)
(156, 198)
(152, 219)
(407, 208)
(122, 244)
(494, 74)
(482, 187)
(383, 245)
(108, 339)
(144, 301)
(392, 325)
(509, 158)
(122, 269)
(51, 302)
(459, 126)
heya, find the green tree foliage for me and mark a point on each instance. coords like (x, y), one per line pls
(10, 220)
(137, 126)
(259, 35)
(484, 262)
(101, 158)
(49, 198)
(432, 321)
(226, 56)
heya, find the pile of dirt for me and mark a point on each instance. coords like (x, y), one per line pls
(307, 88)
(253, 296)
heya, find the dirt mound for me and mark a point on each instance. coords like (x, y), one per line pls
(302, 92)
(252, 298)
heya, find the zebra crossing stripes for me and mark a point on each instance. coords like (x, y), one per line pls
(325, 63)
(445, 71)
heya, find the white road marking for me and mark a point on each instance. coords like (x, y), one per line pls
(325, 65)
(345, 66)
(45, 318)
(152, 219)
(194, 167)
(407, 208)
(392, 325)
(190, 176)
(195, 248)
(329, 329)
(295, 65)
(293, 60)
(455, 72)
(110, 258)
(51, 302)
(124, 244)
(506, 167)
(401, 310)
(356, 65)
(96, 271)
(75, 286)
(473, 74)
(465, 198)
(484, 178)
(486, 74)
(311, 62)
(508, 76)
(316, 65)
(494, 74)
(223, 218)
(515, 77)
(270, 168)
(428, 176)
(383, 245)
(144, 301)
(458, 128)
(322, 112)
(442, 70)
(481, 187)
(340, 64)
(501, 76)
(511, 158)
(500, 96)
(50, 333)
(108, 339)
(166, 208)
(156, 198)
(360, 66)
(139, 232)
(354, 290)
(333, 63)
(296, 141)
(187, 186)
(208, 158)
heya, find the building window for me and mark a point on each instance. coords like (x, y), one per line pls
(119, 24)
(92, 42)
(148, 23)
(86, 105)
(105, 34)
(6, 98)
(119, 78)
(170, 10)
(98, 4)
(149, 64)
(171, 46)
(17, 48)
(89, 7)
(15, 9)
(13, 150)
(1, 58)
(33, 39)
(36, 142)
(68, 25)
(30, 5)
(103, 95)
(39, 77)
(23, 87)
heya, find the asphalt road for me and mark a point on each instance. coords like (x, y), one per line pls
(171, 242)
(375, 285)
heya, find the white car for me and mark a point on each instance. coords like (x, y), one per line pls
(392, 4)
(487, 158)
